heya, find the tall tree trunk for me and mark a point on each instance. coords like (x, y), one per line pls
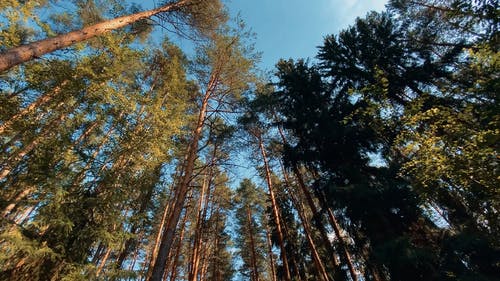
(274, 206)
(17, 157)
(37, 49)
(195, 256)
(317, 215)
(103, 262)
(255, 269)
(205, 261)
(43, 99)
(131, 243)
(154, 250)
(270, 253)
(343, 245)
(307, 228)
(312, 206)
(20, 196)
(23, 217)
(175, 259)
(181, 192)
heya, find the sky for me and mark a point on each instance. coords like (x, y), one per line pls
(294, 28)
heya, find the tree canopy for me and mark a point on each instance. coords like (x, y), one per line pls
(120, 151)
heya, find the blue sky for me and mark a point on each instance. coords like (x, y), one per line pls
(294, 28)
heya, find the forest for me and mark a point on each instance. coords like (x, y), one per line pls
(378, 160)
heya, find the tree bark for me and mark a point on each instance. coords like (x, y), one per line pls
(331, 217)
(343, 245)
(43, 99)
(154, 251)
(181, 192)
(255, 269)
(21, 54)
(312, 206)
(270, 253)
(307, 229)
(195, 256)
(175, 260)
(17, 157)
(274, 206)
(103, 262)
(20, 196)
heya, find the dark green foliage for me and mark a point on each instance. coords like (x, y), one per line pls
(349, 118)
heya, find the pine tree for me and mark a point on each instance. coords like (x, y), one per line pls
(190, 9)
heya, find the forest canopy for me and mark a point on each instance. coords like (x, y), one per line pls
(119, 146)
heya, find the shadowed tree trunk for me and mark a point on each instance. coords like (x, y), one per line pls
(255, 270)
(274, 207)
(270, 253)
(307, 228)
(317, 215)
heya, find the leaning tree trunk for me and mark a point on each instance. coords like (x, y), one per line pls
(331, 218)
(318, 263)
(37, 49)
(43, 99)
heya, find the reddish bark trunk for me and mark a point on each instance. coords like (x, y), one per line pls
(37, 49)
(274, 206)
(307, 229)
(43, 99)
(181, 192)
(270, 253)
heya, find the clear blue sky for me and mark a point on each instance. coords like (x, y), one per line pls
(290, 28)
(294, 28)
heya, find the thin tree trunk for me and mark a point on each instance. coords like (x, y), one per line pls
(373, 269)
(333, 221)
(24, 217)
(316, 214)
(343, 245)
(17, 157)
(274, 206)
(37, 49)
(136, 254)
(204, 262)
(307, 228)
(20, 196)
(270, 253)
(175, 260)
(44, 98)
(202, 212)
(131, 243)
(195, 256)
(252, 246)
(98, 253)
(300, 274)
(156, 246)
(103, 262)
(312, 206)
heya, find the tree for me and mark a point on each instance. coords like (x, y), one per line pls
(224, 72)
(190, 8)
(251, 240)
